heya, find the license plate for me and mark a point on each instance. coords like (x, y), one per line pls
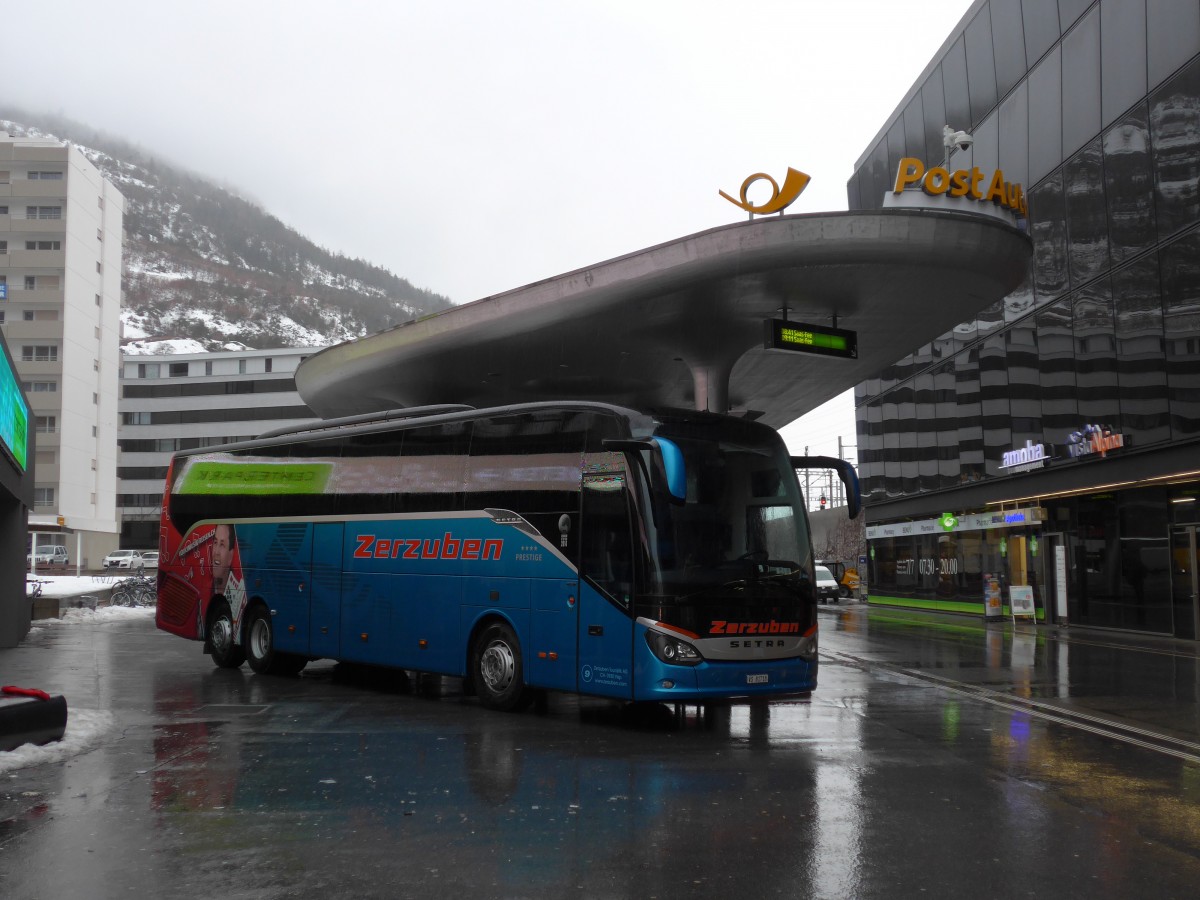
(757, 679)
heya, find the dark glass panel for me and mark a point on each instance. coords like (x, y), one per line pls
(970, 425)
(1009, 43)
(1096, 356)
(981, 65)
(1045, 117)
(1137, 303)
(1145, 561)
(1129, 186)
(877, 181)
(1175, 139)
(933, 106)
(891, 446)
(895, 143)
(985, 152)
(1087, 214)
(1081, 83)
(1048, 228)
(914, 130)
(925, 426)
(852, 192)
(1056, 354)
(954, 87)
(1172, 37)
(1181, 323)
(1014, 136)
(1041, 27)
(1020, 302)
(906, 434)
(1095, 551)
(873, 481)
(994, 403)
(1024, 382)
(1070, 10)
(991, 319)
(1122, 56)
(945, 405)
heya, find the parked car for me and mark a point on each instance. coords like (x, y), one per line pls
(827, 586)
(150, 559)
(124, 559)
(55, 555)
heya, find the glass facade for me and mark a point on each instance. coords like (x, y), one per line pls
(1095, 107)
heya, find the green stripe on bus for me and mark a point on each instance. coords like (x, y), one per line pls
(255, 478)
(940, 605)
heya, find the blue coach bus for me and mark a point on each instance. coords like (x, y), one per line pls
(581, 547)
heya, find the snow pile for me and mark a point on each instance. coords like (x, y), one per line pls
(101, 616)
(85, 728)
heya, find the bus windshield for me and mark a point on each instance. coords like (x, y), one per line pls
(738, 545)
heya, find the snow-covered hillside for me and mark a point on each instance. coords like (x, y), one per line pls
(208, 270)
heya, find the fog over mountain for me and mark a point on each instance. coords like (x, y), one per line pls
(204, 263)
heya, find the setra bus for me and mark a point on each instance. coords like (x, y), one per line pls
(574, 546)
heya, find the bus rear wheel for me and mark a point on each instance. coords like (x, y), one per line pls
(496, 669)
(225, 653)
(260, 646)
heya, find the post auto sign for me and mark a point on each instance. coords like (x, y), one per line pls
(967, 183)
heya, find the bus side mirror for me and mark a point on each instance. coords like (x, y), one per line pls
(845, 472)
(665, 456)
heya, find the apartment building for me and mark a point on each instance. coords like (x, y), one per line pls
(187, 401)
(60, 299)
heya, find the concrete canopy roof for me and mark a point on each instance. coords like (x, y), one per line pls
(681, 324)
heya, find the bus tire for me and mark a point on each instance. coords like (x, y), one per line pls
(260, 646)
(497, 670)
(225, 653)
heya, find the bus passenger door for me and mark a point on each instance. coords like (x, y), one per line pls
(606, 590)
(325, 605)
(554, 612)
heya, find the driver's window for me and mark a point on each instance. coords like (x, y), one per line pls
(607, 546)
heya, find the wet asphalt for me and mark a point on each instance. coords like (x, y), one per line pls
(940, 757)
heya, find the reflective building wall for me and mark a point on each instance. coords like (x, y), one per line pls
(1095, 108)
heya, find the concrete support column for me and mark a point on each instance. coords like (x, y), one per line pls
(711, 383)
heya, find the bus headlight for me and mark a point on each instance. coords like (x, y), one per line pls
(672, 650)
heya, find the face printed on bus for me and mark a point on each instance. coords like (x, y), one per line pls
(222, 556)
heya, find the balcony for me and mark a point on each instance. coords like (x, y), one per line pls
(18, 188)
(36, 259)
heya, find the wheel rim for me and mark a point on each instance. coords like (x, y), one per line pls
(222, 635)
(498, 666)
(260, 638)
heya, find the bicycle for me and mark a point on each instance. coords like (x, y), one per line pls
(33, 587)
(137, 590)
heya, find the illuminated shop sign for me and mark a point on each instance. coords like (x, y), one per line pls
(948, 523)
(967, 183)
(801, 337)
(1093, 439)
(1024, 459)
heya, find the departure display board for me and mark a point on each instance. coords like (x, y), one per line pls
(802, 337)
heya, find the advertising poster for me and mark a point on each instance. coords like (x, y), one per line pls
(993, 603)
(1020, 600)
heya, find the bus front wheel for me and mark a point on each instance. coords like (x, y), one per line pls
(225, 653)
(497, 670)
(260, 646)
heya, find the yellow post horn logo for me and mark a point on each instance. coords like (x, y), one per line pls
(795, 182)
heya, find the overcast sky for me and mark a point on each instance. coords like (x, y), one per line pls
(474, 147)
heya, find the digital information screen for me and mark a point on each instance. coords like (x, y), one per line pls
(14, 415)
(801, 337)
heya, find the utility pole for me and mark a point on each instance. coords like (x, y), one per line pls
(807, 495)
